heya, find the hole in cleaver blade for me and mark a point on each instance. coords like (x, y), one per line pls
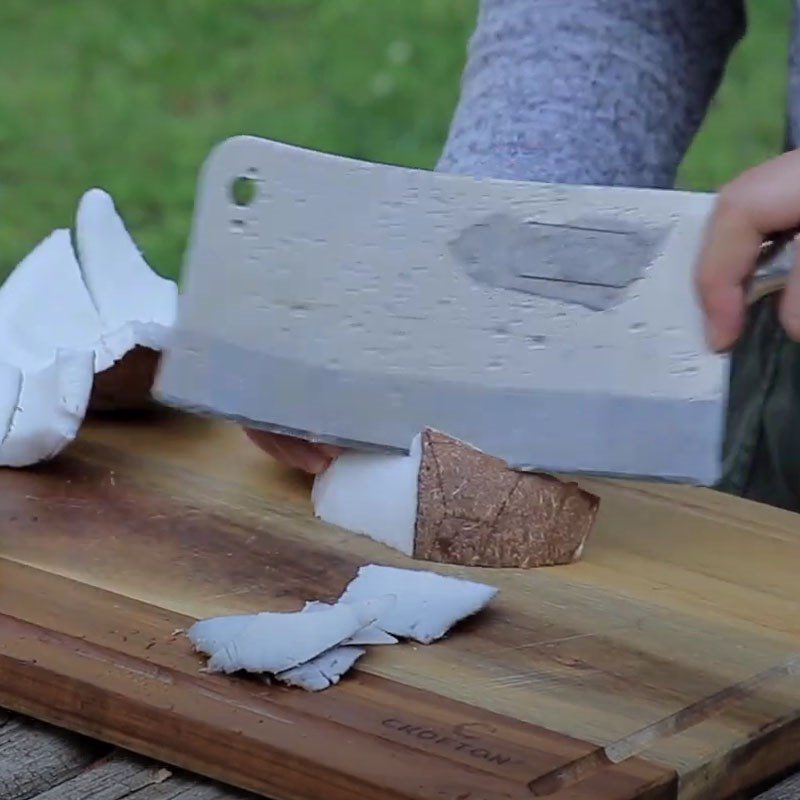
(587, 261)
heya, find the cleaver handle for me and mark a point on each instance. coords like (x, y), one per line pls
(775, 263)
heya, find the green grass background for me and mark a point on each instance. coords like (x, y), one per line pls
(130, 95)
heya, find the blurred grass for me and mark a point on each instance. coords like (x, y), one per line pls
(131, 96)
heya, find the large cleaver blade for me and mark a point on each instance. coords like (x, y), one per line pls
(553, 326)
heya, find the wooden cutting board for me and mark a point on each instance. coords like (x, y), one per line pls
(141, 527)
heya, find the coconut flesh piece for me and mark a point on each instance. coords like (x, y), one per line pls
(50, 409)
(137, 306)
(274, 642)
(320, 672)
(56, 334)
(447, 501)
(427, 604)
(372, 494)
(50, 336)
(323, 671)
(210, 635)
(45, 307)
(10, 388)
(371, 634)
(322, 638)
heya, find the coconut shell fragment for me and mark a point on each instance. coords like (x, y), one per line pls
(474, 510)
(125, 386)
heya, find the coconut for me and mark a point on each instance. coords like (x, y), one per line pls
(449, 502)
(62, 321)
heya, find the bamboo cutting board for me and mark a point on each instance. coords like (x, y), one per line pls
(682, 616)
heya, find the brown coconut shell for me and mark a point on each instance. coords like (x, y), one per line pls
(125, 386)
(474, 510)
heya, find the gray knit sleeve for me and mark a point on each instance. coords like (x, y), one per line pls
(606, 92)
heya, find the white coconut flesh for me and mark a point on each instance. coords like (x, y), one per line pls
(62, 321)
(371, 634)
(323, 671)
(324, 641)
(50, 336)
(10, 388)
(210, 635)
(45, 307)
(274, 642)
(372, 494)
(136, 305)
(427, 605)
(50, 409)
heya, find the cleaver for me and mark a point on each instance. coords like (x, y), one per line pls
(354, 303)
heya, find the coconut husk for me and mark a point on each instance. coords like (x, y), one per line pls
(474, 510)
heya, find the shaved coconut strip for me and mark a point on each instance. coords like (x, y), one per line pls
(323, 671)
(275, 642)
(427, 604)
(210, 635)
(371, 635)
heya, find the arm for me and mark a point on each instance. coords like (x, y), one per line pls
(605, 92)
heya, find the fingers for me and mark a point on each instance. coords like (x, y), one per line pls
(330, 450)
(758, 204)
(727, 259)
(295, 453)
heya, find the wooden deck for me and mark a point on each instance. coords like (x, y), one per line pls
(39, 762)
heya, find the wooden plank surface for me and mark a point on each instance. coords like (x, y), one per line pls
(122, 776)
(142, 526)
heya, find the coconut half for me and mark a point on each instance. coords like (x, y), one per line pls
(449, 502)
(62, 321)
(51, 337)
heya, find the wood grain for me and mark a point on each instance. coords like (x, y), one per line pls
(121, 776)
(786, 790)
(26, 771)
(113, 778)
(142, 526)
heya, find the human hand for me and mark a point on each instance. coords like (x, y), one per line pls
(296, 453)
(760, 203)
